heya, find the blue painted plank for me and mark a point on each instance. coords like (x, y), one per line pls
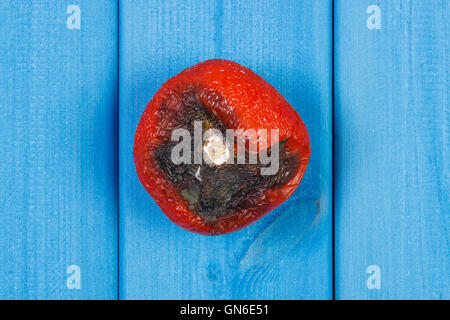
(58, 188)
(287, 254)
(392, 142)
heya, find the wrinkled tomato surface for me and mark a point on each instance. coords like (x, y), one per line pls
(222, 198)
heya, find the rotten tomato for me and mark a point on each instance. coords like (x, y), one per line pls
(218, 147)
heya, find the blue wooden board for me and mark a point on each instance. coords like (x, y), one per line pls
(58, 187)
(287, 254)
(392, 142)
(59, 152)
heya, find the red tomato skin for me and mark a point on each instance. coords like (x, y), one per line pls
(240, 99)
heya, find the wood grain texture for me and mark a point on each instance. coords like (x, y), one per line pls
(58, 185)
(287, 254)
(392, 142)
